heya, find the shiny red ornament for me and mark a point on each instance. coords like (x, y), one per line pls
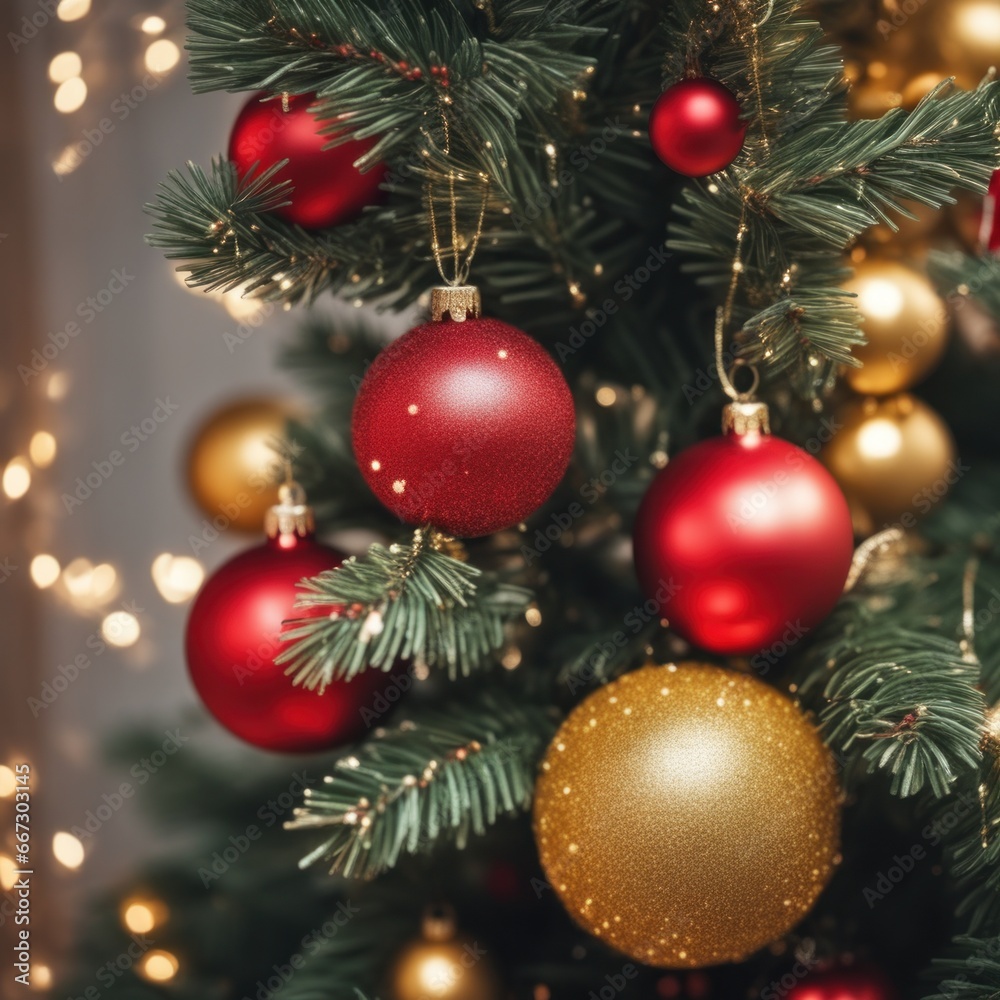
(328, 189)
(695, 127)
(744, 543)
(468, 426)
(989, 230)
(234, 635)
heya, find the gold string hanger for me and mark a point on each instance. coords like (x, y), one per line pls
(460, 267)
(456, 298)
(722, 317)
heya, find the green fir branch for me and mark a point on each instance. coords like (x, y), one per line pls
(405, 602)
(906, 702)
(220, 227)
(394, 71)
(442, 775)
(960, 276)
(971, 973)
(809, 182)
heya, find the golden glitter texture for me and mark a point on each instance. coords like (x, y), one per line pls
(687, 815)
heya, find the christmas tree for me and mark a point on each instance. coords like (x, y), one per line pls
(760, 758)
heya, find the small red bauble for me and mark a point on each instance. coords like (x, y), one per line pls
(234, 635)
(695, 127)
(744, 542)
(468, 426)
(328, 189)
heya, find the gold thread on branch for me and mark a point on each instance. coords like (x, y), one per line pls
(461, 267)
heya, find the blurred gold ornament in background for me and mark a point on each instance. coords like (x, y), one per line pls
(894, 459)
(912, 238)
(968, 34)
(906, 325)
(687, 815)
(233, 468)
(443, 965)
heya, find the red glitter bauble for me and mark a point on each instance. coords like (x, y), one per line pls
(328, 189)
(468, 426)
(744, 542)
(234, 634)
(695, 127)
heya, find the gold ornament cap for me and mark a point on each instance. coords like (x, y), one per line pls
(456, 302)
(291, 515)
(438, 923)
(746, 417)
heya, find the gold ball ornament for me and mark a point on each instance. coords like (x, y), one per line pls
(968, 34)
(232, 467)
(893, 458)
(443, 965)
(687, 815)
(906, 324)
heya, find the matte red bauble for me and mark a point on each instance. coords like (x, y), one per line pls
(695, 127)
(234, 635)
(468, 426)
(328, 189)
(745, 540)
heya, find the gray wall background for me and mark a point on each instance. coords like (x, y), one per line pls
(154, 340)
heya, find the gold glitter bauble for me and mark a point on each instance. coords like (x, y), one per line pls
(687, 815)
(233, 469)
(443, 966)
(905, 323)
(893, 458)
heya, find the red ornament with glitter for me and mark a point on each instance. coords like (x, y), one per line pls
(743, 541)
(234, 634)
(695, 127)
(464, 423)
(328, 189)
